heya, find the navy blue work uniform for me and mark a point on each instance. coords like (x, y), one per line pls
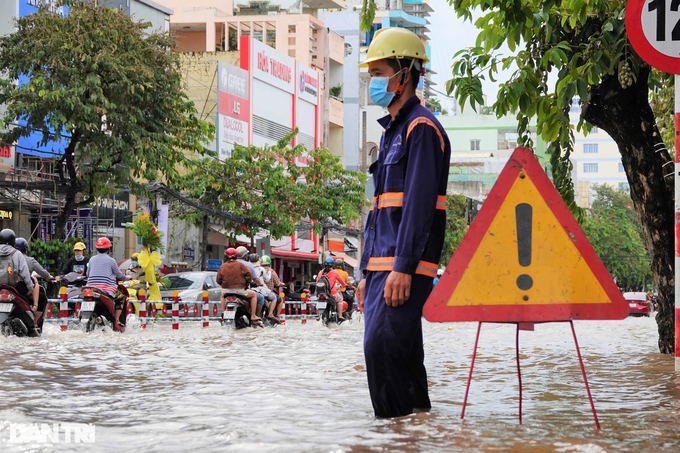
(404, 233)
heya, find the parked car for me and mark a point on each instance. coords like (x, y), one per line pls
(638, 303)
(190, 286)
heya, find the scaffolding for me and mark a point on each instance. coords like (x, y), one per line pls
(40, 201)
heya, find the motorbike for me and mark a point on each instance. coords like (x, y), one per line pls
(16, 316)
(237, 314)
(97, 310)
(74, 285)
(326, 305)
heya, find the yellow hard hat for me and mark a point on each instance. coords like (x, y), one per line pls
(395, 42)
(79, 246)
(135, 255)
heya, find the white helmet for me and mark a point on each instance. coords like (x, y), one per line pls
(242, 252)
(440, 272)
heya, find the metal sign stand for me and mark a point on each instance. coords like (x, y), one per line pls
(519, 374)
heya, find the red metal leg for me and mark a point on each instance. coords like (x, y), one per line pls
(519, 374)
(585, 379)
(472, 365)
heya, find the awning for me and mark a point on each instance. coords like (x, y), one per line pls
(296, 255)
(352, 262)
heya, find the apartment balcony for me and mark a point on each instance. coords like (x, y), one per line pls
(399, 18)
(336, 112)
(336, 47)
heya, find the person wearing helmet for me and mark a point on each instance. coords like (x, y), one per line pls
(14, 272)
(440, 272)
(234, 278)
(77, 263)
(262, 288)
(21, 244)
(271, 279)
(103, 273)
(340, 269)
(333, 279)
(242, 257)
(405, 228)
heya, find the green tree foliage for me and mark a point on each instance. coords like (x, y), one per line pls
(456, 226)
(54, 253)
(434, 105)
(266, 185)
(105, 93)
(614, 230)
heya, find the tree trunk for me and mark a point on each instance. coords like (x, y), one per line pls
(72, 180)
(62, 218)
(625, 114)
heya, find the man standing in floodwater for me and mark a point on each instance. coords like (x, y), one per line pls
(405, 229)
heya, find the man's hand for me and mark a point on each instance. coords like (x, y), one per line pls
(397, 289)
(360, 295)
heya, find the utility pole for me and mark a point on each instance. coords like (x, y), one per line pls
(362, 169)
(204, 243)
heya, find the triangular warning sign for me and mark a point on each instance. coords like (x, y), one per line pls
(525, 259)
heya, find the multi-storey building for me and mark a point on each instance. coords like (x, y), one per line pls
(596, 160)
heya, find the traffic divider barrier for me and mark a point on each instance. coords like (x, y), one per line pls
(142, 308)
(175, 310)
(293, 309)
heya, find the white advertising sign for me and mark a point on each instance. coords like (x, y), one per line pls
(273, 67)
(308, 84)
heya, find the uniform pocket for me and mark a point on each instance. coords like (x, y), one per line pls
(395, 167)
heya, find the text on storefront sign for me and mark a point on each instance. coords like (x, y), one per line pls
(273, 67)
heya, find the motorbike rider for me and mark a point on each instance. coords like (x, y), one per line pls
(271, 279)
(242, 257)
(440, 272)
(262, 289)
(346, 296)
(333, 278)
(103, 273)
(234, 278)
(134, 269)
(21, 244)
(77, 263)
(18, 275)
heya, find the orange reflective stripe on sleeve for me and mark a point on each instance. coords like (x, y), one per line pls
(386, 263)
(441, 202)
(373, 204)
(423, 120)
(428, 269)
(380, 264)
(391, 200)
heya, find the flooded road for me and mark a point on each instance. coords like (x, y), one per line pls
(302, 388)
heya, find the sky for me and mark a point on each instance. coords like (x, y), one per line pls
(448, 35)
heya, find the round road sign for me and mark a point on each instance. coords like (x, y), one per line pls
(653, 28)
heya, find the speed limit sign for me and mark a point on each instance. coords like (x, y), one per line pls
(653, 28)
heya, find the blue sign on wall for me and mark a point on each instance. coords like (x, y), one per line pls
(31, 144)
(214, 265)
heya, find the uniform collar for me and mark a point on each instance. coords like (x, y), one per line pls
(405, 109)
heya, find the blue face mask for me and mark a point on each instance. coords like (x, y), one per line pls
(377, 90)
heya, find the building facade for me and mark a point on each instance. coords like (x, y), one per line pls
(480, 147)
(596, 160)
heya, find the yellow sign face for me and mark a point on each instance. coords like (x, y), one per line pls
(527, 258)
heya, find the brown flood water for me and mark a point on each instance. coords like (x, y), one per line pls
(302, 388)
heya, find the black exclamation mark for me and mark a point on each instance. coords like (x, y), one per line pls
(523, 216)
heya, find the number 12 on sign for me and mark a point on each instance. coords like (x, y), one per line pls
(660, 7)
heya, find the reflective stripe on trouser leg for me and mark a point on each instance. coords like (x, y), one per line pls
(393, 348)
